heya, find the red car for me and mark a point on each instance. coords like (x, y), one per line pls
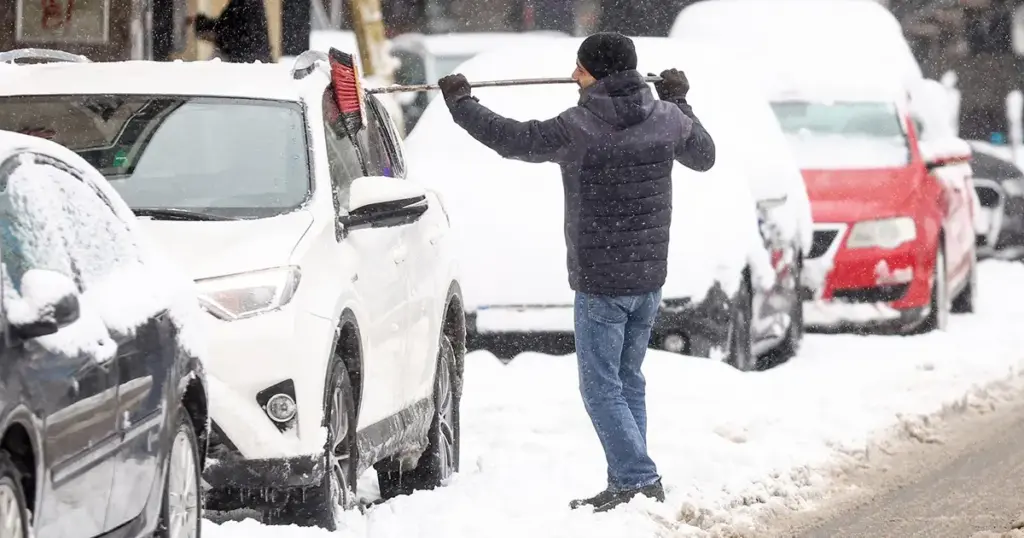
(894, 240)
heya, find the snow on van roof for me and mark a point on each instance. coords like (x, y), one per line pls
(200, 78)
(459, 43)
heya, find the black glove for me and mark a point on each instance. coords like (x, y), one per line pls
(454, 88)
(673, 85)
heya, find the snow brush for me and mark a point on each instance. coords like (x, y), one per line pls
(348, 91)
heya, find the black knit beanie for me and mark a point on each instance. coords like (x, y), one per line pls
(607, 53)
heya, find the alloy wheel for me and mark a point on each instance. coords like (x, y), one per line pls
(182, 489)
(445, 419)
(340, 453)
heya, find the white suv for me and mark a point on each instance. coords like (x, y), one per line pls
(335, 315)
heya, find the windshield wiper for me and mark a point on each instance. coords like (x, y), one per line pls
(170, 213)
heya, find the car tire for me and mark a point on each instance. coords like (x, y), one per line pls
(938, 310)
(317, 506)
(14, 515)
(964, 301)
(441, 458)
(741, 350)
(182, 506)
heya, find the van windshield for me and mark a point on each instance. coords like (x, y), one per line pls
(222, 157)
(843, 135)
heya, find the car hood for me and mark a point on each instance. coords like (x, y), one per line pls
(852, 195)
(207, 249)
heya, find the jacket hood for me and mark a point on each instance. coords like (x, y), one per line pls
(621, 99)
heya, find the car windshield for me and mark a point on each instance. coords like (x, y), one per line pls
(173, 156)
(844, 134)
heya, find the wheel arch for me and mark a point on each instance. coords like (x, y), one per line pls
(20, 440)
(196, 403)
(453, 326)
(348, 345)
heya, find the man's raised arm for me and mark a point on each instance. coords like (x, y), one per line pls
(531, 141)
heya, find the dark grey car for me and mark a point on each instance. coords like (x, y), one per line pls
(103, 423)
(1000, 187)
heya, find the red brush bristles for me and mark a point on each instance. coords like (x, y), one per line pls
(348, 92)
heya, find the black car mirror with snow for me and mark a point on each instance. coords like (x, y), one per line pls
(381, 201)
(49, 302)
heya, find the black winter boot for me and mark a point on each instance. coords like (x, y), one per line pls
(606, 500)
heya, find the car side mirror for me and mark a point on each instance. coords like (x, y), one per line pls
(944, 152)
(49, 302)
(381, 201)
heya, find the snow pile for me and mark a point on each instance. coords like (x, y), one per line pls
(123, 282)
(731, 446)
(507, 215)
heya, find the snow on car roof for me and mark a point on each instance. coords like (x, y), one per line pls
(462, 43)
(201, 78)
(805, 32)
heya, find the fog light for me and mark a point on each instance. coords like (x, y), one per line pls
(281, 408)
(673, 343)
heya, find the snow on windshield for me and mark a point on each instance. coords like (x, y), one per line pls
(230, 157)
(508, 214)
(844, 134)
(54, 221)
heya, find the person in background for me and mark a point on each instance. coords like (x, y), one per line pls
(240, 33)
(616, 149)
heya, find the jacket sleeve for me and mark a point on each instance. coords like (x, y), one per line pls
(696, 151)
(531, 141)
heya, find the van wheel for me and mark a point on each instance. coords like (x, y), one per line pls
(741, 349)
(441, 459)
(180, 513)
(14, 520)
(964, 302)
(789, 347)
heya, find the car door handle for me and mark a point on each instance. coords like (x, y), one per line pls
(399, 254)
(435, 235)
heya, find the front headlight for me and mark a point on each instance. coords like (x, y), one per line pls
(244, 295)
(882, 233)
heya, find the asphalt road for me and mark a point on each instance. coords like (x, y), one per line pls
(969, 485)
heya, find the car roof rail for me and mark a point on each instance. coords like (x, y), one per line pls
(307, 62)
(40, 56)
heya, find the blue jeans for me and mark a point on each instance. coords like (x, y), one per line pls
(612, 334)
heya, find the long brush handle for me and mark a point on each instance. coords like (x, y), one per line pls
(396, 88)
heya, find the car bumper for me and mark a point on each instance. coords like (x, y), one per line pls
(235, 482)
(867, 288)
(285, 351)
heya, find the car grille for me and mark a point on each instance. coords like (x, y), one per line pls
(987, 196)
(822, 241)
(876, 294)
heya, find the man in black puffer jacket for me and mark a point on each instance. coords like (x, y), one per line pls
(616, 149)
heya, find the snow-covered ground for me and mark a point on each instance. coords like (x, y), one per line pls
(729, 445)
